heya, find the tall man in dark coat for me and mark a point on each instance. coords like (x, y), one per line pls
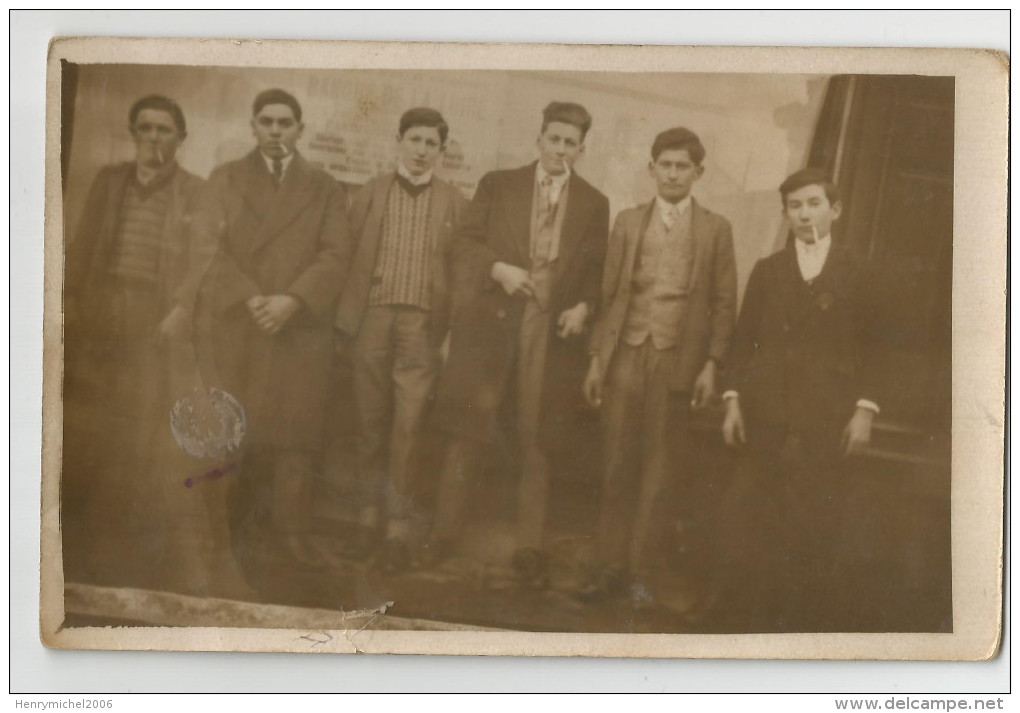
(529, 253)
(669, 304)
(281, 226)
(396, 306)
(131, 274)
(800, 396)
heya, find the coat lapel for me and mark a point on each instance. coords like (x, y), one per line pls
(437, 213)
(790, 286)
(701, 238)
(286, 201)
(372, 231)
(635, 233)
(522, 192)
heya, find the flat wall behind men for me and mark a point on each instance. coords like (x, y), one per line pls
(756, 128)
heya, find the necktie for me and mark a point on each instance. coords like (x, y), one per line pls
(546, 207)
(671, 215)
(277, 170)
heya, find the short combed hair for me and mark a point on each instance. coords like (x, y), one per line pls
(276, 96)
(567, 113)
(809, 177)
(679, 139)
(424, 116)
(158, 102)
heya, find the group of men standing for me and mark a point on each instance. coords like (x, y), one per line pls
(454, 313)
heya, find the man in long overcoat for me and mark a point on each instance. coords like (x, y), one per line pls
(131, 276)
(529, 252)
(281, 227)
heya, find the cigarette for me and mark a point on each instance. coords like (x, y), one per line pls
(814, 231)
(159, 155)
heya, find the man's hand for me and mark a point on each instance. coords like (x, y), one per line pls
(571, 321)
(593, 384)
(733, 424)
(274, 311)
(704, 386)
(175, 326)
(254, 304)
(857, 433)
(516, 281)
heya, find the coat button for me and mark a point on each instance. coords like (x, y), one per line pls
(786, 328)
(501, 313)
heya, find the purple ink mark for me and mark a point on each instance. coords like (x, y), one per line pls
(213, 474)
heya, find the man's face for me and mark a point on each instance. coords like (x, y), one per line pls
(276, 130)
(419, 149)
(156, 138)
(675, 173)
(810, 214)
(559, 146)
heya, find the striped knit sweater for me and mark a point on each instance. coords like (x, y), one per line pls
(140, 232)
(402, 273)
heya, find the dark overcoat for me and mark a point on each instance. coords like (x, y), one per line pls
(486, 322)
(293, 240)
(800, 356)
(182, 261)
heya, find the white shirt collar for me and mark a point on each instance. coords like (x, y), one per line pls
(146, 175)
(664, 206)
(557, 181)
(819, 246)
(412, 179)
(811, 256)
(285, 161)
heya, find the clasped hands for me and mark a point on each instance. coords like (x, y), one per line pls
(517, 282)
(271, 312)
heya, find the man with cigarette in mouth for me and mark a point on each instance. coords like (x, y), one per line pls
(281, 228)
(669, 293)
(529, 253)
(800, 397)
(132, 272)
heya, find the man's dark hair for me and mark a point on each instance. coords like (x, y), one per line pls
(276, 96)
(567, 113)
(809, 177)
(424, 116)
(159, 103)
(677, 139)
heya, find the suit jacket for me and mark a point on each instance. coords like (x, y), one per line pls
(711, 304)
(800, 354)
(486, 321)
(367, 210)
(290, 239)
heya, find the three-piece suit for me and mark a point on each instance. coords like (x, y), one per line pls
(669, 302)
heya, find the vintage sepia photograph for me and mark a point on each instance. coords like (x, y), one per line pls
(340, 347)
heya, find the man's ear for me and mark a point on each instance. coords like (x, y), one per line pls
(837, 210)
